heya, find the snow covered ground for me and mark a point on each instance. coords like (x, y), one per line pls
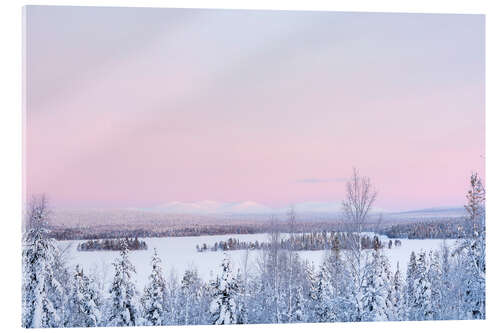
(179, 254)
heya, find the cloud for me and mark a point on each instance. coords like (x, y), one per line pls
(321, 180)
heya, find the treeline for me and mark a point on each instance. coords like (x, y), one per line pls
(112, 245)
(449, 229)
(125, 231)
(314, 241)
(424, 228)
(159, 230)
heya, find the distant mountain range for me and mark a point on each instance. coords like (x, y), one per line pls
(207, 207)
(242, 208)
(212, 212)
(446, 211)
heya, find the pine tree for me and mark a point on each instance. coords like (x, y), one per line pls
(376, 291)
(241, 304)
(42, 292)
(310, 292)
(398, 296)
(411, 276)
(154, 294)
(475, 205)
(437, 285)
(192, 299)
(223, 307)
(172, 300)
(124, 305)
(84, 301)
(317, 295)
(475, 298)
(335, 285)
(422, 305)
(447, 284)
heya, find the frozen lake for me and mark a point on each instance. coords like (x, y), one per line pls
(179, 254)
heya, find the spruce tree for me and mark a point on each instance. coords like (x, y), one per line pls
(335, 285)
(377, 304)
(411, 276)
(42, 296)
(84, 301)
(475, 297)
(193, 299)
(154, 294)
(398, 296)
(437, 286)
(124, 305)
(223, 306)
(422, 305)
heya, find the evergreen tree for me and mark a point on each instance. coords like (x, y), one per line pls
(84, 301)
(42, 292)
(223, 307)
(172, 301)
(317, 295)
(448, 282)
(154, 294)
(475, 297)
(335, 285)
(376, 291)
(241, 304)
(398, 296)
(437, 285)
(422, 305)
(193, 299)
(124, 305)
(411, 276)
(310, 292)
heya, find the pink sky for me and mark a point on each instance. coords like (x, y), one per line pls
(139, 107)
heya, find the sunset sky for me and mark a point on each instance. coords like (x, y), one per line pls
(142, 107)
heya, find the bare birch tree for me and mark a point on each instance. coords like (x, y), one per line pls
(291, 225)
(360, 196)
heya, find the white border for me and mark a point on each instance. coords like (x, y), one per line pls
(11, 139)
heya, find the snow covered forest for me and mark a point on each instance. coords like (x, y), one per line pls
(351, 285)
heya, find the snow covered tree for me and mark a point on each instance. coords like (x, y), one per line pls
(171, 314)
(42, 296)
(421, 306)
(154, 294)
(318, 290)
(241, 301)
(359, 200)
(124, 305)
(437, 285)
(474, 251)
(470, 254)
(411, 276)
(272, 276)
(398, 299)
(377, 303)
(475, 205)
(360, 197)
(193, 299)
(223, 306)
(448, 285)
(332, 285)
(298, 305)
(84, 301)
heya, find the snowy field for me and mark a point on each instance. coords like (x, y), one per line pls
(179, 254)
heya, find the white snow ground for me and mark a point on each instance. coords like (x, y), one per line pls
(179, 254)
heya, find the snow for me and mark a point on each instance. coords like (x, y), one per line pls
(179, 254)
